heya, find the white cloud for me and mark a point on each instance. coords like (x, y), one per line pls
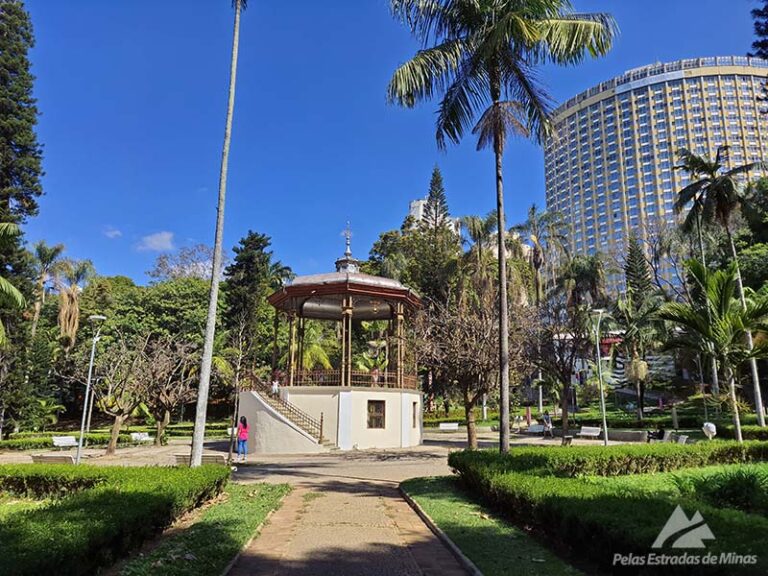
(111, 232)
(157, 242)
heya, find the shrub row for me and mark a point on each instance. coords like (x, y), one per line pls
(575, 461)
(46, 442)
(748, 432)
(593, 521)
(108, 512)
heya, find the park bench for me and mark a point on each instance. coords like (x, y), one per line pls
(53, 459)
(183, 459)
(682, 439)
(64, 441)
(139, 437)
(567, 441)
(449, 425)
(536, 429)
(590, 431)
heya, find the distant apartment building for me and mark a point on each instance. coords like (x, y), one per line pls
(610, 166)
(416, 212)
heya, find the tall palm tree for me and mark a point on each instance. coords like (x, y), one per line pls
(8, 292)
(715, 196)
(476, 54)
(46, 258)
(542, 230)
(480, 231)
(70, 277)
(210, 325)
(583, 278)
(716, 323)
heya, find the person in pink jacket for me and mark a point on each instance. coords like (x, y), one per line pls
(242, 439)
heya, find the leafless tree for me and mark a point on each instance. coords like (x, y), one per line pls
(171, 367)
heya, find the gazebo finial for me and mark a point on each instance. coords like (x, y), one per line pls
(348, 237)
(347, 263)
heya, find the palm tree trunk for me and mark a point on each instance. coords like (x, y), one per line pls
(503, 305)
(734, 406)
(210, 325)
(38, 305)
(752, 361)
(713, 364)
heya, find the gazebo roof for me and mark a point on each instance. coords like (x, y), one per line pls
(320, 296)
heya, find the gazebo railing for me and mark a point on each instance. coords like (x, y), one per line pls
(358, 378)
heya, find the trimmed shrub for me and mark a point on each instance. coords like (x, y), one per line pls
(594, 521)
(572, 461)
(745, 489)
(748, 432)
(46, 442)
(106, 512)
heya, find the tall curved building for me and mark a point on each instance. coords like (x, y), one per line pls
(609, 169)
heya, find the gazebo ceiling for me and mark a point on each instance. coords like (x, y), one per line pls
(320, 296)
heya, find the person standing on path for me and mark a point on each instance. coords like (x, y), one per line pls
(242, 439)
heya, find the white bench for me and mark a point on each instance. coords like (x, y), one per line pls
(53, 459)
(536, 429)
(138, 437)
(590, 431)
(449, 425)
(682, 439)
(64, 441)
(183, 459)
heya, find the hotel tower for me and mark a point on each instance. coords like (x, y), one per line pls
(609, 168)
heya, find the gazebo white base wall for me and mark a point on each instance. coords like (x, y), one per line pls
(345, 414)
(345, 419)
(272, 433)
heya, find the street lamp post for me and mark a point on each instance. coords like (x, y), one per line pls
(95, 320)
(599, 312)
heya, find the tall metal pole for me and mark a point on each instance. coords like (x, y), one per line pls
(600, 377)
(87, 394)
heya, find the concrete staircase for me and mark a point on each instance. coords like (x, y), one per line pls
(290, 412)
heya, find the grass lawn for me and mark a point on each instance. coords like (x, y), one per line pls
(221, 531)
(496, 547)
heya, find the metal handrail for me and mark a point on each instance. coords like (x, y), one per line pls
(297, 416)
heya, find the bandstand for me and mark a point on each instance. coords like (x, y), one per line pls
(341, 407)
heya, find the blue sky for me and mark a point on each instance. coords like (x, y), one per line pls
(133, 93)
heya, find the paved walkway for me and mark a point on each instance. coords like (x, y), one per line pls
(346, 517)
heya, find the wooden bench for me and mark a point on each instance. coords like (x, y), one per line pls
(590, 431)
(183, 459)
(53, 459)
(139, 437)
(449, 426)
(64, 441)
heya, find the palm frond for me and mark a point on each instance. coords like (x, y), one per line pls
(9, 293)
(569, 38)
(497, 122)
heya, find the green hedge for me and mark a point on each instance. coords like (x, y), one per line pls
(593, 521)
(572, 461)
(748, 432)
(106, 513)
(46, 442)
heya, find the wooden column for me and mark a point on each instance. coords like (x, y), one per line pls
(346, 341)
(291, 346)
(399, 342)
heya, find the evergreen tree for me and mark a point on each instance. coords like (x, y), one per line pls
(436, 215)
(760, 45)
(20, 171)
(637, 273)
(252, 276)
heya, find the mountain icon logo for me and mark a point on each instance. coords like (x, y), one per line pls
(687, 532)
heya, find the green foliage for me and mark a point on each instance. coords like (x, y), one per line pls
(744, 489)
(748, 432)
(215, 538)
(45, 442)
(753, 261)
(596, 517)
(760, 17)
(106, 512)
(637, 272)
(612, 460)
